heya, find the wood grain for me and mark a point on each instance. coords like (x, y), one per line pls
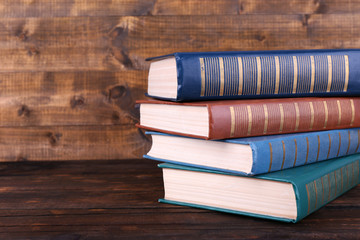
(123, 43)
(70, 72)
(72, 143)
(81, 64)
(118, 200)
(66, 8)
(70, 98)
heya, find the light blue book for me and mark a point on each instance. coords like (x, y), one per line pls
(255, 155)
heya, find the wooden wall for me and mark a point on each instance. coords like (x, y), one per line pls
(71, 70)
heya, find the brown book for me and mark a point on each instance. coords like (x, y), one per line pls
(245, 118)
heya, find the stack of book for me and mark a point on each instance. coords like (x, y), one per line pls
(272, 134)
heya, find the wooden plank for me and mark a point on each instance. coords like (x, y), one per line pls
(102, 199)
(74, 98)
(235, 7)
(66, 8)
(71, 143)
(166, 34)
(179, 223)
(122, 43)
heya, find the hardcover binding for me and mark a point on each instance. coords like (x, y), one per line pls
(246, 118)
(314, 185)
(279, 152)
(266, 74)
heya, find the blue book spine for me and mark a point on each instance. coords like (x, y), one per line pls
(295, 150)
(265, 74)
(278, 152)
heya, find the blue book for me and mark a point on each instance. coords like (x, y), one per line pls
(256, 74)
(288, 195)
(255, 155)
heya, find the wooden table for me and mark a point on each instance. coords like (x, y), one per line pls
(118, 200)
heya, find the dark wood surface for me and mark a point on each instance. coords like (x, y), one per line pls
(118, 200)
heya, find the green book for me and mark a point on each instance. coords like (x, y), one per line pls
(288, 195)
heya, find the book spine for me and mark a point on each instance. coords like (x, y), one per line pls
(322, 190)
(263, 75)
(297, 150)
(255, 119)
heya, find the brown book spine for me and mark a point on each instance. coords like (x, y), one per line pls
(269, 117)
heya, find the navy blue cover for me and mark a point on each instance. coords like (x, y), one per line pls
(189, 74)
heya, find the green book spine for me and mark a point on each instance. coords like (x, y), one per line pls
(321, 189)
(314, 185)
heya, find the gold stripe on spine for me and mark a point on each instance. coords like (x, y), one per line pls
(326, 113)
(329, 73)
(283, 161)
(312, 82)
(318, 150)
(341, 174)
(295, 74)
(266, 114)
(311, 115)
(335, 182)
(209, 76)
(232, 128)
(297, 117)
(357, 147)
(339, 145)
(240, 65)
(347, 175)
(295, 152)
(308, 195)
(329, 186)
(352, 112)
(353, 175)
(323, 192)
(351, 172)
(346, 58)
(339, 112)
(355, 169)
(349, 142)
(277, 75)
(258, 85)
(271, 157)
(329, 147)
(202, 71)
(222, 78)
(307, 149)
(249, 119)
(315, 193)
(281, 117)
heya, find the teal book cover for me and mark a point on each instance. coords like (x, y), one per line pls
(266, 74)
(314, 185)
(278, 152)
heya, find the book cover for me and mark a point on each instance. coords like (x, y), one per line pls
(276, 152)
(257, 117)
(266, 74)
(314, 185)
